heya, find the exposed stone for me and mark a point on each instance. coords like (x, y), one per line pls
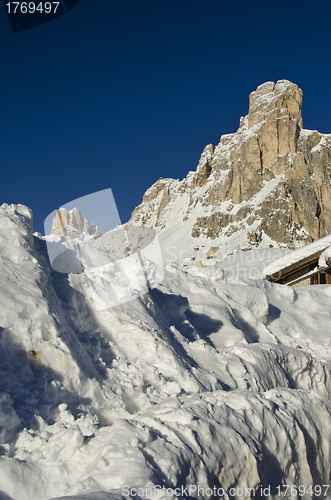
(212, 251)
(72, 223)
(152, 193)
(204, 167)
(255, 237)
(270, 146)
(164, 201)
(211, 226)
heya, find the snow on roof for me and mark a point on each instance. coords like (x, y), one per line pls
(325, 257)
(296, 256)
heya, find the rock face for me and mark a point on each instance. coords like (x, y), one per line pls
(270, 182)
(72, 224)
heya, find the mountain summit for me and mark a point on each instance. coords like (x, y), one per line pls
(72, 223)
(266, 185)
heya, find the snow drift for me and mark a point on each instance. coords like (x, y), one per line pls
(206, 381)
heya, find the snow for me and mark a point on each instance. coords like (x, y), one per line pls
(117, 264)
(296, 256)
(306, 132)
(236, 226)
(319, 146)
(212, 379)
(186, 205)
(325, 257)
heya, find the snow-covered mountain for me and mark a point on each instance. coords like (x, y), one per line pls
(267, 185)
(73, 224)
(208, 384)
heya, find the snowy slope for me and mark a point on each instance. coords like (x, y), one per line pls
(210, 380)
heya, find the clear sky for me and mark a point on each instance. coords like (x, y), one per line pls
(117, 93)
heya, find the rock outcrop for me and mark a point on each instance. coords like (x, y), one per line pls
(72, 223)
(270, 181)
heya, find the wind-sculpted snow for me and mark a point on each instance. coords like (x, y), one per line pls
(208, 381)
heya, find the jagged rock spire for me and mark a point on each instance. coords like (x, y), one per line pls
(269, 182)
(72, 223)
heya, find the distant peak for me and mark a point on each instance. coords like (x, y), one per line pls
(72, 223)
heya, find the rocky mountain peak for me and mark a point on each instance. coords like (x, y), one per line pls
(281, 100)
(72, 223)
(268, 184)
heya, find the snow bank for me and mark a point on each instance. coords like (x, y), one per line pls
(204, 381)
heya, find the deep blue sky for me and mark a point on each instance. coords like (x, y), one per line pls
(117, 93)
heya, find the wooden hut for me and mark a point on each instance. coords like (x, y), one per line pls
(309, 265)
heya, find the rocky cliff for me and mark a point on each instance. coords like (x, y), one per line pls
(72, 223)
(268, 184)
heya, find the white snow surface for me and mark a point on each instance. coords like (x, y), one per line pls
(209, 380)
(325, 257)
